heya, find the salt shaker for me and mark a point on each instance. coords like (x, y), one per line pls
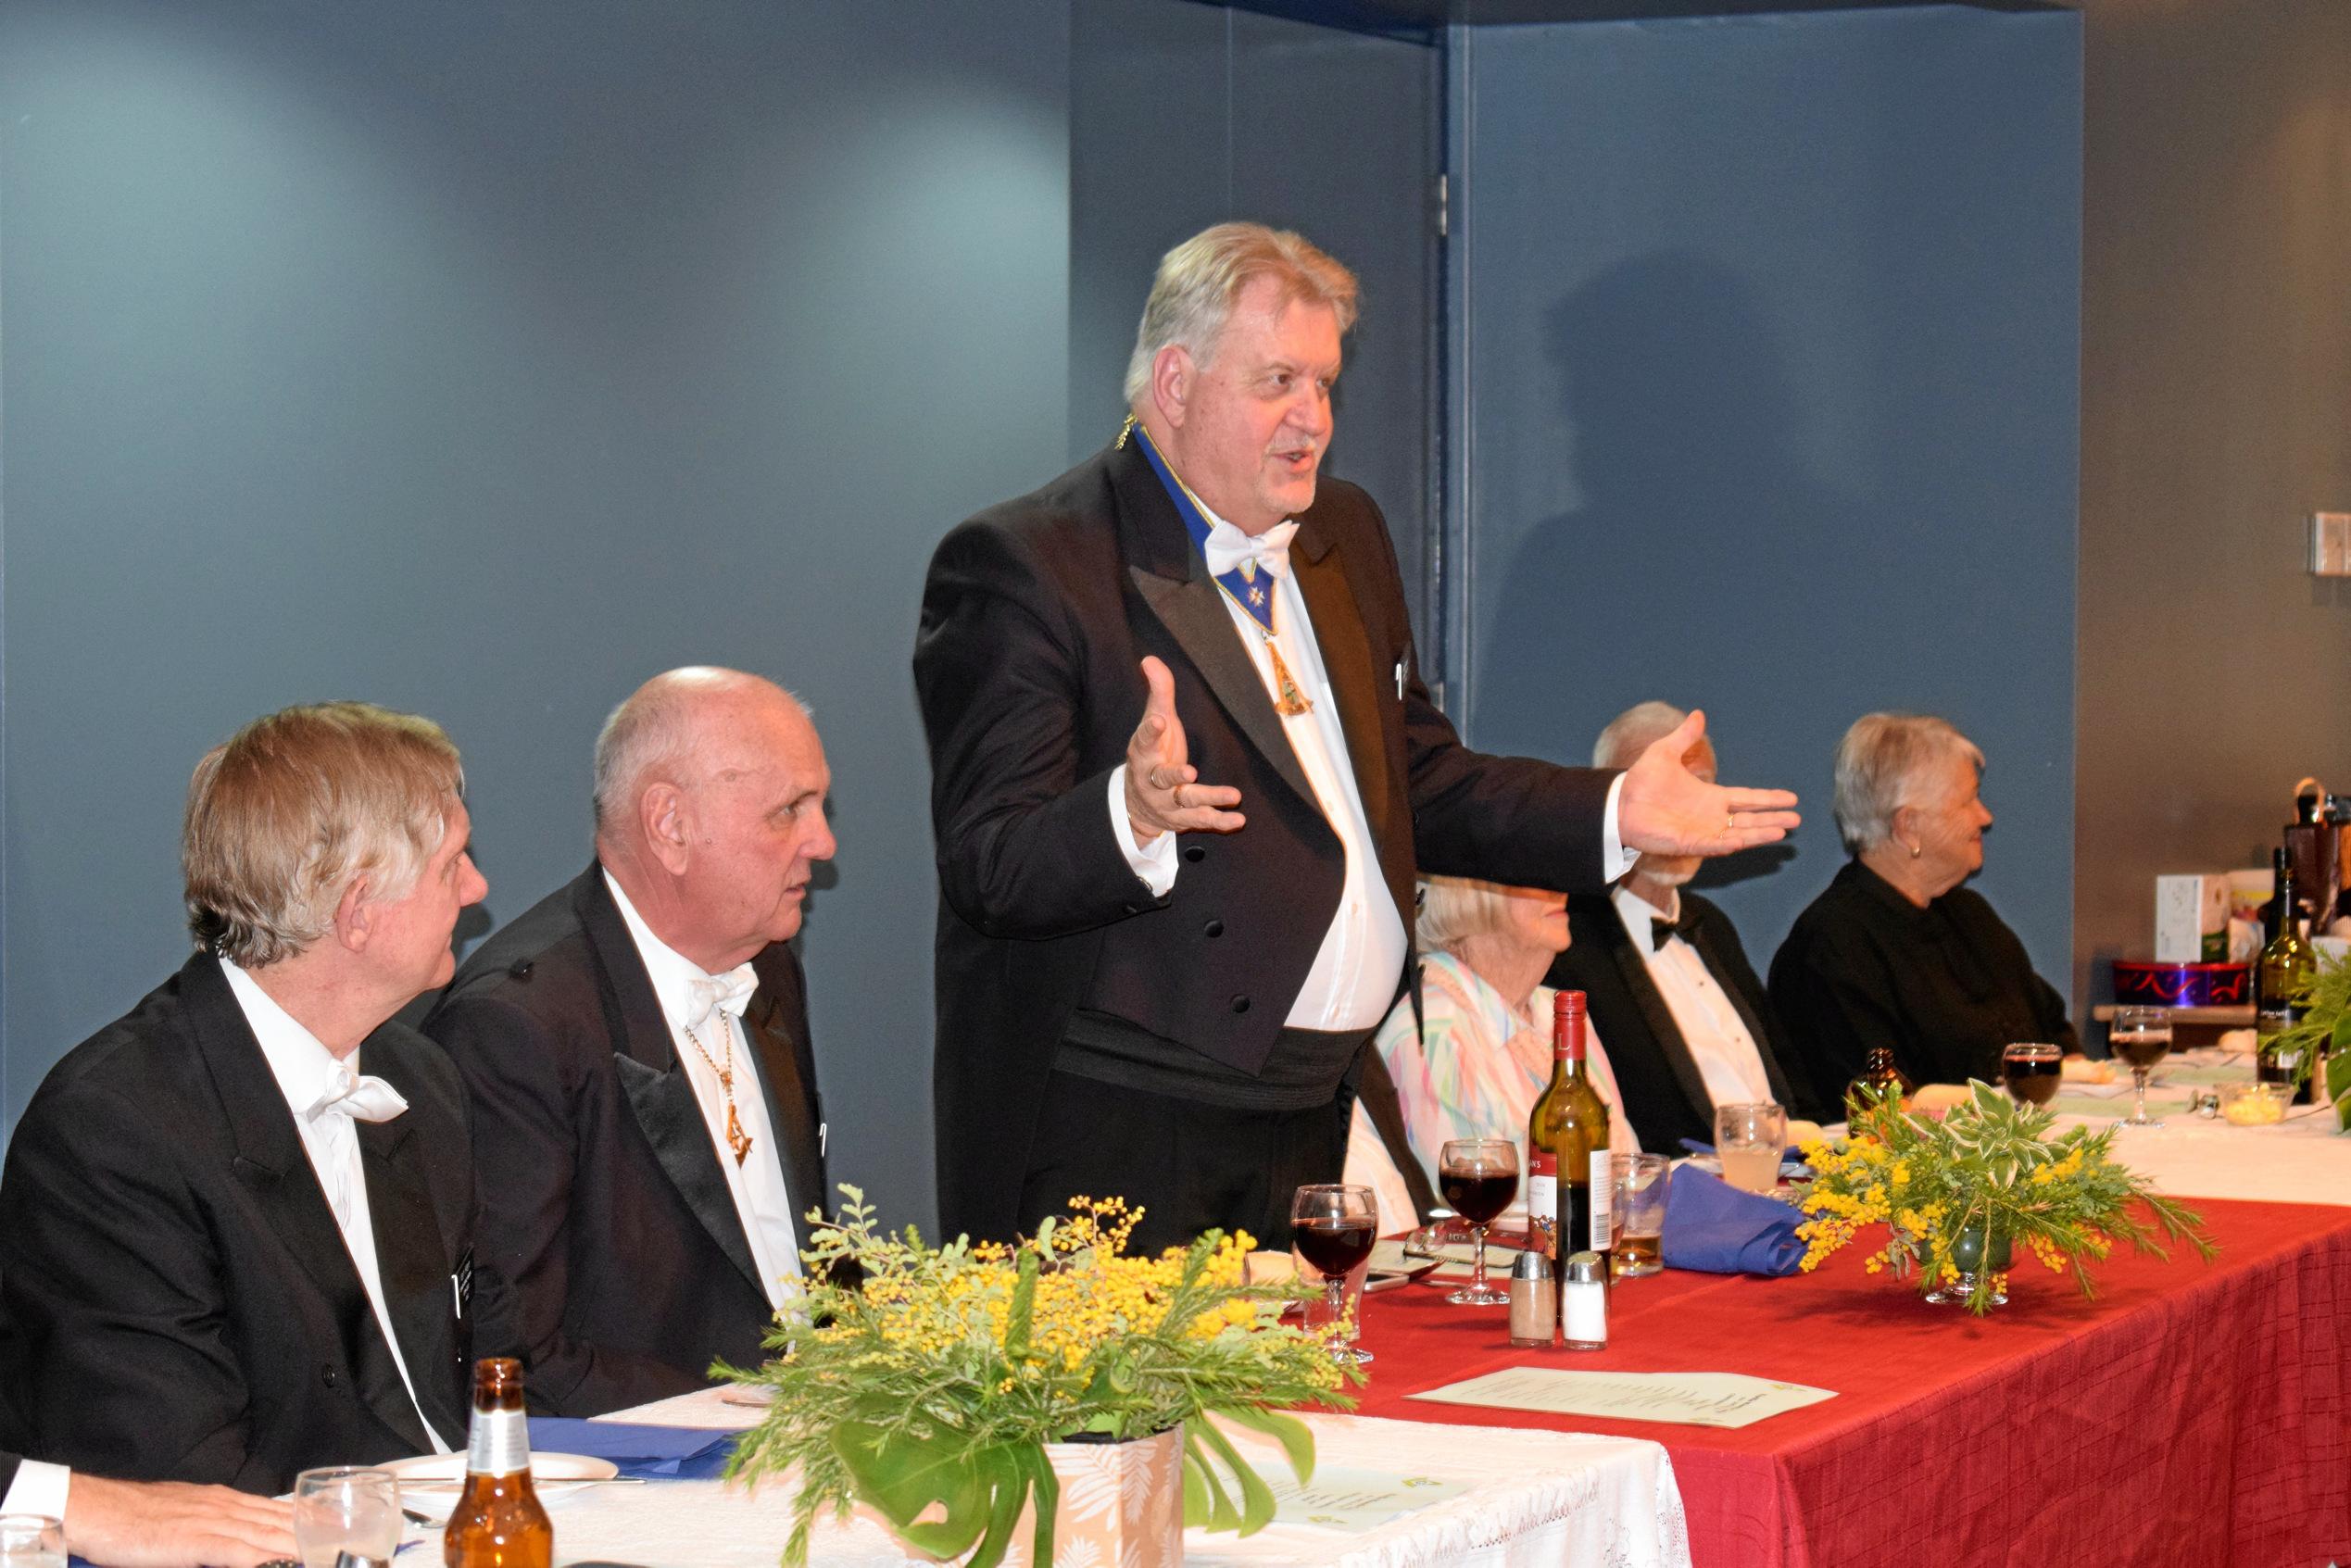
(1583, 1303)
(1534, 1301)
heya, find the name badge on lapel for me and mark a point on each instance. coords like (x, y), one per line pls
(461, 1284)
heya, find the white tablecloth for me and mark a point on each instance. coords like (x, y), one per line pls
(1535, 1497)
(2302, 1159)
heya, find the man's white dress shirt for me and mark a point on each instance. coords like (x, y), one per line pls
(761, 1200)
(312, 1080)
(38, 1488)
(1353, 978)
(1718, 1037)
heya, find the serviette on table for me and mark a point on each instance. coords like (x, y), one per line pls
(1714, 1228)
(654, 1453)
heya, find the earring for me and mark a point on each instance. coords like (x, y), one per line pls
(1915, 851)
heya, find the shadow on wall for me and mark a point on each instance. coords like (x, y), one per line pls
(1701, 534)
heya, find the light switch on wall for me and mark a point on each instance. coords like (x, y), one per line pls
(2330, 544)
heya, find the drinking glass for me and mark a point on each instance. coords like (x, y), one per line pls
(2141, 1036)
(346, 1508)
(1640, 1209)
(1333, 1227)
(31, 1540)
(1478, 1177)
(1748, 1141)
(2032, 1071)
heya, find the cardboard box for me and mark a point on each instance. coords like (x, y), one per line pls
(2191, 917)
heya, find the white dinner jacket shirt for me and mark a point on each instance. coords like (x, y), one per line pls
(1718, 1037)
(1353, 978)
(305, 1070)
(761, 1200)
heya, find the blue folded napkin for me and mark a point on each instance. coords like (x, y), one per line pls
(658, 1453)
(1714, 1228)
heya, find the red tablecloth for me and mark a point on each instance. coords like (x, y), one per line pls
(2192, 1414)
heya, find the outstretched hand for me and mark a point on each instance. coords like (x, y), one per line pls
(1667, 809)
(1163, 791)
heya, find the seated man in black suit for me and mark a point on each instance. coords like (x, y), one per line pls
(1669, 987)
(236, 1224)
(637, 1048)
(149, 1524)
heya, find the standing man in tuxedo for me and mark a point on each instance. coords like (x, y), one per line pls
(1688, 1024)
(636, 1046)
(236, 1226)
(1184, 771)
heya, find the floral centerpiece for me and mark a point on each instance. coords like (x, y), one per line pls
(929, 1388)
(2325, 1027)
(1958, 1195)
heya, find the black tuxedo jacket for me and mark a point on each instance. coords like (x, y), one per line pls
(178, 1301)
(1664, 1094)
(1035, 616)
(603, 1199)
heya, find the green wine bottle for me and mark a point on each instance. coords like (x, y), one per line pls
(2289, 964)
(1570, 1180)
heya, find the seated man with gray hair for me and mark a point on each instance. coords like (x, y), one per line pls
(1688, 1023)
(637, 1047)
(236, 1224)
(1896, 952)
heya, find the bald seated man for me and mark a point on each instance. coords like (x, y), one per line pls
(637, 1047)
(149, 1524)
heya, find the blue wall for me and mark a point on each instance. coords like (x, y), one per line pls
(484, 360)
(1769, 350)
(1185, 115)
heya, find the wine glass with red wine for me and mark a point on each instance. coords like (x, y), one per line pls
(2141, 1036)
(1478, 1177)
(1333, 1228)
(2032, 1071)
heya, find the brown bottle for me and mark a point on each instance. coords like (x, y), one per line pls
(498, 1522)
(1878, 1071)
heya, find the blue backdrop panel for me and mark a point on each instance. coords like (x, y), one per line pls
(483, 360)
(1771, 389)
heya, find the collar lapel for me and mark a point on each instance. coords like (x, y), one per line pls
(1704, 919)
(1658, 1018)
(658, 1094)
(784, 1080)
(412, 1259)
(272, 1165)
(1347, 660)
(1174, 583)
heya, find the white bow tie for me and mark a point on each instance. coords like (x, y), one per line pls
(1227, 547)
(711, 993)
(356, 1095)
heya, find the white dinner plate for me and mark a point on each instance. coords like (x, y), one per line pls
(430, 1472)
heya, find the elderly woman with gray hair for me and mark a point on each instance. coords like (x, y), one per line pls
(1469, 1061)
(1896, 952)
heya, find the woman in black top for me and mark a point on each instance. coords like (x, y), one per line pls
(1894, 952)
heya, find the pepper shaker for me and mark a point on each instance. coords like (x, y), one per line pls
(1534, 1301)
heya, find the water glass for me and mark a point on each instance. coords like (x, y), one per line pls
(1640, 1209)
(1748, 1141)
(346, 1508)
(31, 1540)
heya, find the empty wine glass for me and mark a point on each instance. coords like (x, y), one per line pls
(1333, 1227)
(1478, 1177)
(2141, 1036)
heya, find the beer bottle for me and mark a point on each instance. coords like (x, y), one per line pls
(498, 1522)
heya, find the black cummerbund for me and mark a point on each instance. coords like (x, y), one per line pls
(1304, 1070)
